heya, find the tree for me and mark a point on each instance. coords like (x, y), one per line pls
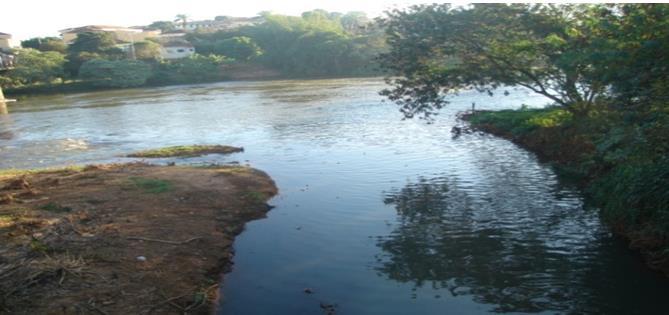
(354, 21)
(89, 46)
(436, 49)
(182, 19)
(33, 66)
(196, 68)
(115, 73)
(147, 51)
(45, 44)
(96, 42)
(240, 48)
(163, 26)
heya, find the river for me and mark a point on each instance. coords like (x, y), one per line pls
(375, 215)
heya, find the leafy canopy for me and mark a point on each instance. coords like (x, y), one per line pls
(34, 66)
(115, 73)
(549, 49)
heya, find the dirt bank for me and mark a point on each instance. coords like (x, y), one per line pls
(122, 239)
(573, 154)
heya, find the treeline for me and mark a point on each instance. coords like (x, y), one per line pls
(318, 43)
(604, 67)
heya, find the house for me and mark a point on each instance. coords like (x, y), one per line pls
(177, 50)
(5, 42)
(221, 23)
(176, 35)
(120, 34)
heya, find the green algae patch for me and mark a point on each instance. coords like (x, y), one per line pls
(186, 151)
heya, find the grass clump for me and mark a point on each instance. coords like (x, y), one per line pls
(186, 151)
(523, 121)
(153, 186)
(15, 172)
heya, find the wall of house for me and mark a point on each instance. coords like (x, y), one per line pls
(177, 52)
(5, 43)
(68, 38)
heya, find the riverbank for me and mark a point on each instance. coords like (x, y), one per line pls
(122, 238)
(617, 166)
(235, 75)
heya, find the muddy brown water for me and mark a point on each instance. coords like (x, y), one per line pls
(376, 215)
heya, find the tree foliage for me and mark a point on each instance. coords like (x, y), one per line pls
(316, 43)
(45, 44)
(90, 46)
(147, 51)
(115, 73)
(34, 66)
(559, 51)
(196, 68)
(164, 26)
(240, 48)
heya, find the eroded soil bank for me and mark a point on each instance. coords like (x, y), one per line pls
(122, 239)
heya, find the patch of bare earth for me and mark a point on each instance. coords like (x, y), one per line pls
(123, 239)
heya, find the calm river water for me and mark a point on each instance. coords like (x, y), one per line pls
(376, 215)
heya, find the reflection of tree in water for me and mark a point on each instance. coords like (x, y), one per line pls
(441, 242)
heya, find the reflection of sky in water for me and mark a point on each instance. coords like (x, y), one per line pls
(376, 214)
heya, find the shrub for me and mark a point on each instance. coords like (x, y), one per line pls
(115, 73)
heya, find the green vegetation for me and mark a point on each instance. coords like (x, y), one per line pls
(115, 73)
(622, 168)
(186, 151)
(45, 44)
(316, 44)
(153, 186)
(196, 68)
(604, 68)
(35, 67)
(519, 122)
(16, 172)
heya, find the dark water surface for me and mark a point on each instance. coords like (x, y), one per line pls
(375, 215)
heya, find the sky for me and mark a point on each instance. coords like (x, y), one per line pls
(32, 18)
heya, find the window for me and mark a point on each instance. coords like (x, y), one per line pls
(190, 49)
(180, 50)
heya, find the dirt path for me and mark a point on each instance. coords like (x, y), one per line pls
(122, 239)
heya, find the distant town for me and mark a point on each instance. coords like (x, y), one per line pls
(170, 35)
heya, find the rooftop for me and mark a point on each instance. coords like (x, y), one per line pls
(89, 28)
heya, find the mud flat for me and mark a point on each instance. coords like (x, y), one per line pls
(122, 238)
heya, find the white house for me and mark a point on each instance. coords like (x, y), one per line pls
(5, 42)
(177, 50)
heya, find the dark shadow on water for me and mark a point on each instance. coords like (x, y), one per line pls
(445, 239)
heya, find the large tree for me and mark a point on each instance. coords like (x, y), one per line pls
(89, 46)
(240, 48)
(115, 73)
(437, 49)
(45, 44)
(33, 66)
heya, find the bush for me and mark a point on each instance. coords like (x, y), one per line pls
(115, 73)
(196, 68)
